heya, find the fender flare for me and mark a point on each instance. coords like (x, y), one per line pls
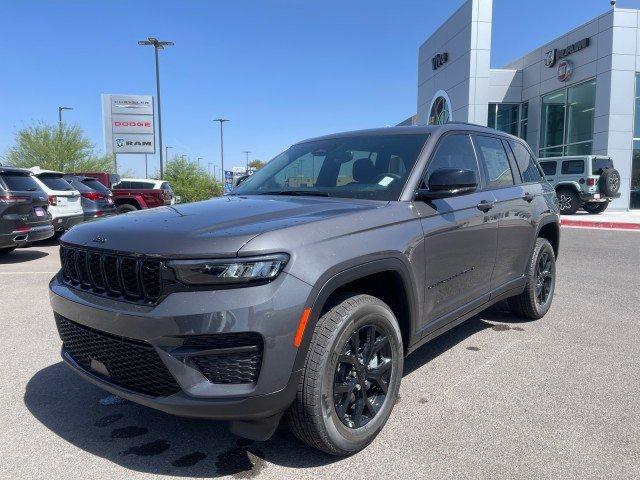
(567, 184)
(336, 277)
(544, 221)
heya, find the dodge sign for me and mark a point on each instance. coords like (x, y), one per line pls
(129, 124)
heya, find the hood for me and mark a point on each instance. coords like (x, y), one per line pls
(213, 228)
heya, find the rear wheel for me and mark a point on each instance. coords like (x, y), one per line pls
(568, 200)
(351, 377)
(125, 207)
(534, 302)
(6, 250)
(595, 207)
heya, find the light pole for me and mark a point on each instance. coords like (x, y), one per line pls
(157, 45)
(166, 152)
(60, 109)
(199, 158)
(247, 152)
(146, 166)
(221, 120)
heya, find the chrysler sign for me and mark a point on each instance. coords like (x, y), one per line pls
(129, 124)
(555, 54)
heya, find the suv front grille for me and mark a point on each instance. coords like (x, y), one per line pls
(132, 364)
(115, 276)
(238, 359)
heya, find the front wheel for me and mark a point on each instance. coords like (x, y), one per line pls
(595, 207)
(536, 299)
(351, 377)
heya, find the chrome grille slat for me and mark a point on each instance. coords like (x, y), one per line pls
(112, 275)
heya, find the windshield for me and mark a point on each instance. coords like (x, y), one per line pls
(372, 167)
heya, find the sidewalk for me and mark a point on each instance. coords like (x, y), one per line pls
(617, 220)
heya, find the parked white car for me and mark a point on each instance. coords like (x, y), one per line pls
(64, 200)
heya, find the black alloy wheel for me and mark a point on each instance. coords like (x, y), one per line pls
(362, 376)
(544, 278)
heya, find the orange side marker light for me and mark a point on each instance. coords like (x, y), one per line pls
(301, 326)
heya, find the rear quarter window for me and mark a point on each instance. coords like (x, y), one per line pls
(526, 163)
(572, 167)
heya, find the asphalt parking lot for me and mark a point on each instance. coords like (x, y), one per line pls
(493, 398)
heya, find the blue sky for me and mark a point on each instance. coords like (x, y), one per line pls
(281, 70)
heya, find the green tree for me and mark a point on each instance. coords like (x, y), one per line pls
(256, 164)
(190, 181)
(56, 147)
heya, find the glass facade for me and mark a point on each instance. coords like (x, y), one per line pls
(509, 117)
(634, 198)
(567, 121)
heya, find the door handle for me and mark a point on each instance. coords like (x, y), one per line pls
(485, 206)
(527, 197)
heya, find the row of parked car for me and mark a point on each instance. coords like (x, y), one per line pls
(37, 204)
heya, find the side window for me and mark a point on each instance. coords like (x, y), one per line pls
(526, 163)
(549, 168)
(455, 151)
(572, 167)
(495, 160)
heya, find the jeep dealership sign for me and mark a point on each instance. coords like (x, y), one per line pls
(129, 125)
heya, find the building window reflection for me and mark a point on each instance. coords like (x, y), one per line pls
(567, 121)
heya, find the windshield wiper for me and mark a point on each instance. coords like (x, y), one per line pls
(301, 193)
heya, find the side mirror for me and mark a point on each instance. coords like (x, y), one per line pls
(448, 182)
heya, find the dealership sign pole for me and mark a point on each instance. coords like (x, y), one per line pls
(158, 45)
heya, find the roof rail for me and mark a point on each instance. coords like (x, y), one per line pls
(456, 122)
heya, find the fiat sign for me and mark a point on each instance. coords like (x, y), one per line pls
(129, 124)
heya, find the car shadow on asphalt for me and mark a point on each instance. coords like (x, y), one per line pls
(20, 255)
(146, 440)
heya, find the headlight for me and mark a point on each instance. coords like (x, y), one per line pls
(229, 271)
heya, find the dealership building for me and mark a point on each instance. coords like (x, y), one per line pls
(577, 94)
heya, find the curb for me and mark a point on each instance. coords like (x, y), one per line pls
(600, 224)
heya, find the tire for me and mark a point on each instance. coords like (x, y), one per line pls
(529, 304)
(595, 207)
(6, 250)
(125, 208)
(610, 182)
(568, 200)
(313, 417)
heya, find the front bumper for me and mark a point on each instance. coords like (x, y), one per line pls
(62, 224)
(272, 310)
(22, 239)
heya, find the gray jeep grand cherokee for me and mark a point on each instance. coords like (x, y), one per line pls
(301, 292)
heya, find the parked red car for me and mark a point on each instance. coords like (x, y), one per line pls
(131, 194)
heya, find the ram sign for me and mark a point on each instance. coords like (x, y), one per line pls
(129, 124)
